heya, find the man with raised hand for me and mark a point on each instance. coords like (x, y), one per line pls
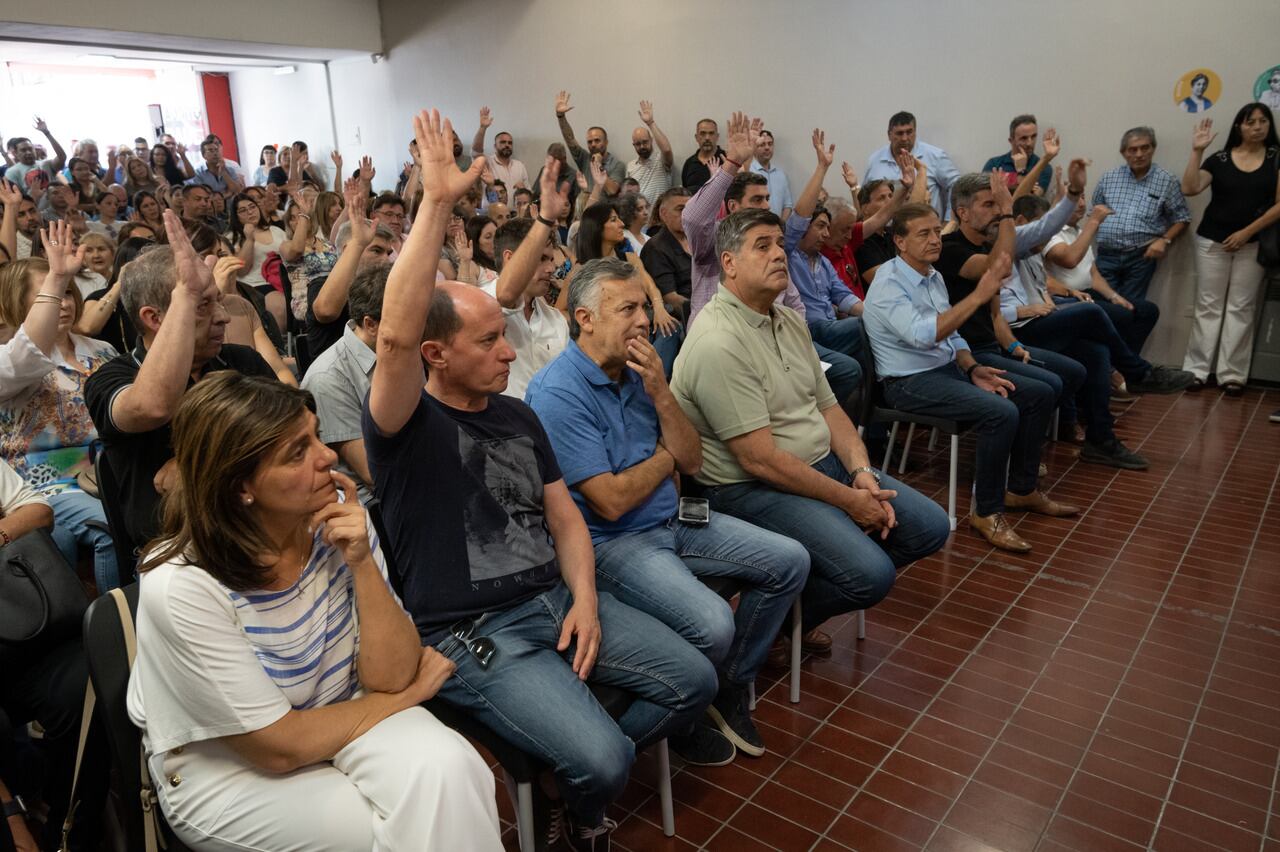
(653, 174)
(597, 149)
(494, 559)
(502, 164)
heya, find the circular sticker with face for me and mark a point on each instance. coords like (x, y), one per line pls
(1197, 90)
(1267, 88)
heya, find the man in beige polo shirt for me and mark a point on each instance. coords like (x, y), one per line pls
(777, 450)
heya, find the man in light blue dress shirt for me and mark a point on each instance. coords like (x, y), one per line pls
(780, 201)
(940, 172)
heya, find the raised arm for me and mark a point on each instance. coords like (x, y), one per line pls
(1006, 237)
(659, 138)
(332, 298)
(906, 187)
(1052, 146)
(336, 156)
(11, 198)
(518, 272)
(59, 158)
(808, 199)
(920, 192)
(187, 171)
(699, 215)
(1196, 180)
(477, 142)
(65, 260)
(1069, 255)
(398, 377)
(562, 109)
(153, 398)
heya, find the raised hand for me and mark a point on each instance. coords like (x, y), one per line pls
(60, 249)
(182, 148)
(850, 176)
(555, 200)
(226, 271)
(907, 165)
(742, 143)
(1019, 160)
(194, 275)
(40, 125)
(1077, 175)
(337, 160)
(367, 171)
(10, 193)
(581, 180)
(487, 175)
(598, 175)
(1202, 135)
(562, 104)
(442, 182)
(1000, 191)
(826, 155)
(1052, 144)
(998, 269)
(646, 113)
(356, 197)
(463, 246)
(486, 119)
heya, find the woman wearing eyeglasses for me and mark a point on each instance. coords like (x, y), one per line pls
(252, 239)
(278, 679)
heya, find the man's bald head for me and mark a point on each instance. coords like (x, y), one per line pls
(642, 141)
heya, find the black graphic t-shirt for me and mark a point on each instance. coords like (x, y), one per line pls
(461, 496)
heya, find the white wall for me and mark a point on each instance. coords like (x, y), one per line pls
(1092, 68)
(273, 109)
(333, 24)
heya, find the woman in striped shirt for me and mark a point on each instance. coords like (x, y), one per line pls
(278, 678)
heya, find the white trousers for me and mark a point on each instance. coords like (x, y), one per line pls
(1229, 285)
(410, 783)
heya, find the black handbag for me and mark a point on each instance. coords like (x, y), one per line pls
(41, 599)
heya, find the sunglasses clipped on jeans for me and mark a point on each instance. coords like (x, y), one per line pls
(481, 647)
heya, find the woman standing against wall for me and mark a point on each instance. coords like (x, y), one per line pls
(1245, 199)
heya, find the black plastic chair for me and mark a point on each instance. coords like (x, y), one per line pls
(875, 410)
(521, 768)
(109, 666)
(113, 508)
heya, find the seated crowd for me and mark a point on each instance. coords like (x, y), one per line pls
(587, 410)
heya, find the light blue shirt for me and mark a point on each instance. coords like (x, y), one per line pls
(819, 284)
(207, 178)
(779, 188)
(1028, 240)
(900, 318)
(942, 173)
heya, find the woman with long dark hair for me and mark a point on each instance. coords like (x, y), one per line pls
(277, 671)
(1245, 181)
(165, 164)
(148, 211)
(474, 246)
(253, 238)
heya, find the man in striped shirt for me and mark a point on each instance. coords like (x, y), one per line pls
(652, 173)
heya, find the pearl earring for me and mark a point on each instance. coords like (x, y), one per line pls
(248, 500)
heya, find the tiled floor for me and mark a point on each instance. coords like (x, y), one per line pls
(1118, 688)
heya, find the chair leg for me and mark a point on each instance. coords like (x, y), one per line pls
(796, 634)
(951, 486)
(751, 696)
(1053, 425)
(664, 789)
(888, 450)
(933, 438)
(906, 448)
(524, 816)
(862, 624)
(861, 430)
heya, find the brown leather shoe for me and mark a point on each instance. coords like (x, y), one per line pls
(996, 530)
(1040, 503)
(815, 642)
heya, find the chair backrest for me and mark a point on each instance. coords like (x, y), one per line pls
(108, 662)
(870, 387)
(113, 508)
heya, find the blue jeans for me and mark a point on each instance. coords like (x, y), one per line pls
(842, 335)
(1062, 373)
(844, 375)
(73, 510)
(1085, 321)
(657, 570)
(849, 569)
(1010, 431)
(1128, 272)
(530, 696)
(1134, 326)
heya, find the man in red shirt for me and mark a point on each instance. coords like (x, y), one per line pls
(846, 232)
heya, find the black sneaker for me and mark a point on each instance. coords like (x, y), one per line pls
(732, 715)
(704, 745)
(1113, 453)
(550, 822)
(581, 838)
(1162, 380)
(1275, 416)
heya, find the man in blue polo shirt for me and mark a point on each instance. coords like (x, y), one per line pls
(620, 437)
(1021, 156)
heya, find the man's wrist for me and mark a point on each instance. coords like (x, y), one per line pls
(968, 372)
(1076, 191)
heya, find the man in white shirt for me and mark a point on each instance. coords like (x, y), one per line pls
(780, 200)
(523, 251)
(505, 168)
(653, 174)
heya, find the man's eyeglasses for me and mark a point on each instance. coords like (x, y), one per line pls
(481, 647)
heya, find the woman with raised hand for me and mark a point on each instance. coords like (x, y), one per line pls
(45, 428)
(278, 678)
(1244, 179)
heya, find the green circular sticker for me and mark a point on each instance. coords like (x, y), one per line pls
(1266, 89)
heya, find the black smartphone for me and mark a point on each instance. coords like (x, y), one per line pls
(694, 511)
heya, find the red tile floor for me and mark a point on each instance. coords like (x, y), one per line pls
(1117, 688)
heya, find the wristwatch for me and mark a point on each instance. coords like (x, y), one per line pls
(14, 807)
(854, 473)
